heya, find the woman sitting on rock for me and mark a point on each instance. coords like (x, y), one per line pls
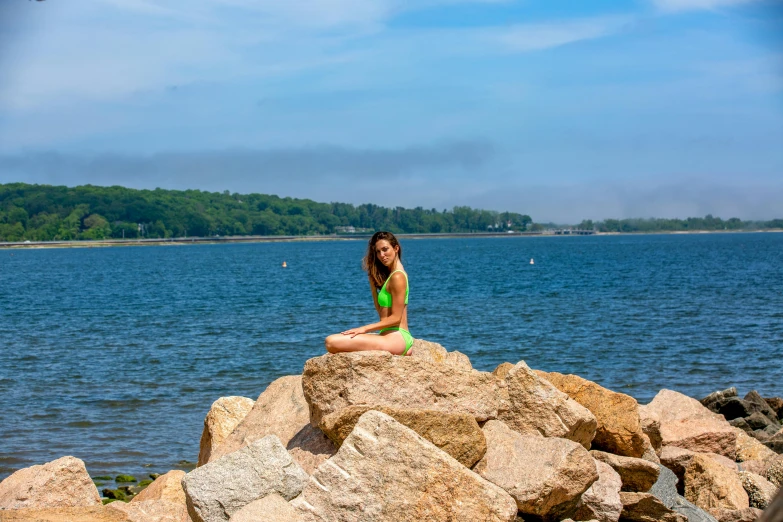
(389, 285)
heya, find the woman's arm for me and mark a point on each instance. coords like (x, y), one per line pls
(374, 292)
(396, 286)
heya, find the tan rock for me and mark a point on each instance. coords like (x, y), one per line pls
(685, 423)
(637, 475)
(651, 426)
(435, 353)
(64, 514)
(385, 471)
(61, 483)
(280, 410)
(643, 507)
(736, 515)
(759, 467)
(458, 434)
(710, 485)
(222, 418)
(166, 487)
(151, 511)
(530, 404)
(310, 448)
(546, 476)
(335, 381)
(618, 427)
(760, 491)
(502, 370)
(272, 508)
(749, 448)
(774, 470)
(601, 501)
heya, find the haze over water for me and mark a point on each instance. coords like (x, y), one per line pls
(114, 355)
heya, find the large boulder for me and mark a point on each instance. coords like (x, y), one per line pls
(687, 424)
(760, 491)
(166, 487)
(272, 508)
(546, 476)
(530, 405)
(644, 507)
(618, 427)
(712, 486)
(222, 418)
(385, 471)
(280, 410)
(217, 490)
(335, 381)
(601, 501)
(636, 474)
(435, 353)
(60, 483)
(458, 434)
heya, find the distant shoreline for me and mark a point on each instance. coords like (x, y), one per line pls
(180, 241)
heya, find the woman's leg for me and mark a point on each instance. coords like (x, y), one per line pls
(391, 342)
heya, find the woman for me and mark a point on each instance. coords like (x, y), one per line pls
(389, 285)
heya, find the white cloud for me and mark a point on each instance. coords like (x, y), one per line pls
(695, 5)
(534, 37)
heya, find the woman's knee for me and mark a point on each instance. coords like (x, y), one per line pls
(331, 343)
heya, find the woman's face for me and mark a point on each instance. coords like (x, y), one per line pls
(385, 252)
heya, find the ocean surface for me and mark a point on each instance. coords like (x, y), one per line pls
(114, 355)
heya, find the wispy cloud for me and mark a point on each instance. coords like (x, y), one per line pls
(534, 37)
(696, 5)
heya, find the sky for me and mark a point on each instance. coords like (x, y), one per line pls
(563, 110)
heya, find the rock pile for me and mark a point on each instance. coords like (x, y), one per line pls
(758, 417)
(373, 437)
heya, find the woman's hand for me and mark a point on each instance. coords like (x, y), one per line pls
(353, 332)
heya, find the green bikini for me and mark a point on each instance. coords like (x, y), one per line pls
(385, 301)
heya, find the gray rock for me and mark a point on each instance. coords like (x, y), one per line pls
(714, 397)
(665, 489)
(691, 510)
(761, 405)
(759, 421)
(217, 490)
(741, 424)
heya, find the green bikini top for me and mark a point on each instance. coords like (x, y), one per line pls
(385, 298)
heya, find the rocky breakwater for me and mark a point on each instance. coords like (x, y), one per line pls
(375, 437)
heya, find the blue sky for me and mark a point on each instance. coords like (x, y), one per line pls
(561, 110)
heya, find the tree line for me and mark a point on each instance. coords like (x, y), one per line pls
(45, 213)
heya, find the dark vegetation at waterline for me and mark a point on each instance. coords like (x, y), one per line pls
(45, 213)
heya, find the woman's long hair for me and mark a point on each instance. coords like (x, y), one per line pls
(375, 269)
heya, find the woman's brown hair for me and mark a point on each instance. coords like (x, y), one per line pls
(375, 269)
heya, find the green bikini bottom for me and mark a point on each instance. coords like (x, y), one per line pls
(405, 335)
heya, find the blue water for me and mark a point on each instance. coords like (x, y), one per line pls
(114, 355)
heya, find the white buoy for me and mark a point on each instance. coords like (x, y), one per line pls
(284, 265)
(532, 262)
